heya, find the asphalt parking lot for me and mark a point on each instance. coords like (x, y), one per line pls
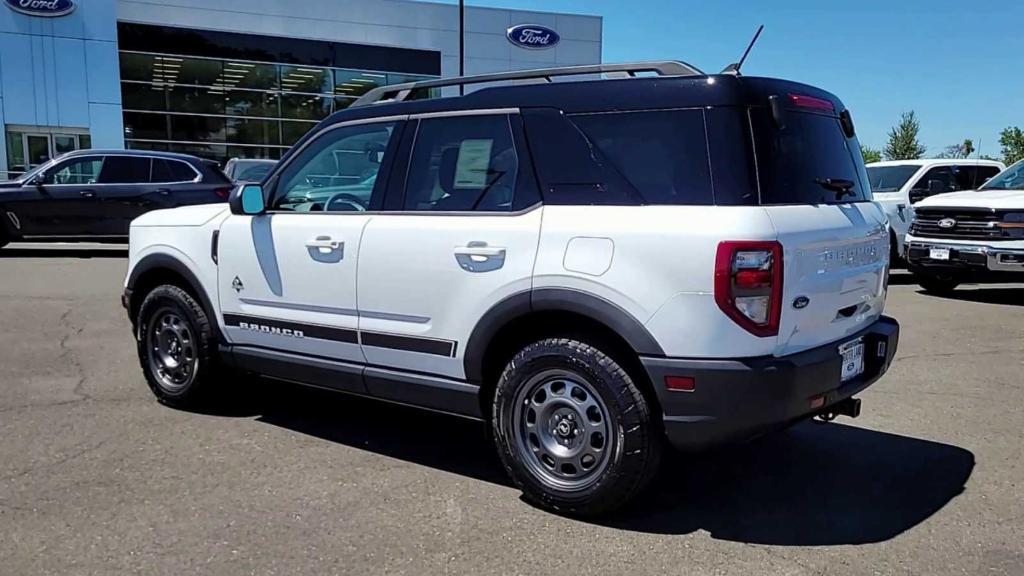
(97, 478)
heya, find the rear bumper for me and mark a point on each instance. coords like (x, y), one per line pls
(735, 400)
(977, 259)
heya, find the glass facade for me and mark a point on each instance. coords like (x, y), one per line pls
(233, 108)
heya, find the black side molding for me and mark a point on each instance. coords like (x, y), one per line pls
(420, 390)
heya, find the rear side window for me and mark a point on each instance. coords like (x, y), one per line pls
(125, 170)
(166, 171)
(662, 154)
(804, 161)
(465, 163)
(970, 177)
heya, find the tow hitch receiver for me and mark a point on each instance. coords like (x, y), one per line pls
(849, 407)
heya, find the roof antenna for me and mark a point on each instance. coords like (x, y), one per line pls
(734, 69)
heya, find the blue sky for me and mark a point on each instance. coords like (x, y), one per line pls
(958, 65)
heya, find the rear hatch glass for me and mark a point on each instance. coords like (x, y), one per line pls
(807, 160)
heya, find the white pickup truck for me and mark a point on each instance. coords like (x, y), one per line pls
(971, 236)
(898, 185)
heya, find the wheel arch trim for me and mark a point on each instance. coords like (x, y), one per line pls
(580, 302)
(161, 261)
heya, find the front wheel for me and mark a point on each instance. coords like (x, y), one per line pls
(573, 430)
(176, 347)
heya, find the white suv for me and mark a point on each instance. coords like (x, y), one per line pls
(591, 267)
(898, 185)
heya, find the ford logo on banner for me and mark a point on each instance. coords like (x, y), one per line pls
(42, 8)
(531, 36)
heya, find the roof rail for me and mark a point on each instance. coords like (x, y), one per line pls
(400, 92)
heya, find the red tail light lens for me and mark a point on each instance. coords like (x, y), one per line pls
(222, 192)
(804, 101)
(748, 285)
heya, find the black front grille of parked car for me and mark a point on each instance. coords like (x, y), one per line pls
(958, 223)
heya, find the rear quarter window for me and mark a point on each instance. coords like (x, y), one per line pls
(662, 154)
(794, 160)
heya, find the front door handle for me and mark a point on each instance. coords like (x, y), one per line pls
(87, 193)
(479, 257)
(163, 191)
(326, 249)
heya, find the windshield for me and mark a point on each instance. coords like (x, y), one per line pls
(1010, 179)
(890, 178)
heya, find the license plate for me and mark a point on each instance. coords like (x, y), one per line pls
(939, 253)
(853, 359)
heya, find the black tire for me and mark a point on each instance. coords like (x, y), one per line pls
(631, 452)
(937, 283)
(169, 314)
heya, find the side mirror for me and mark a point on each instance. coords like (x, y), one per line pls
(39, 180)
(247, 200)
(936, 187)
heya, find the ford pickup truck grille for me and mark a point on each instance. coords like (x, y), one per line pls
(958, 223)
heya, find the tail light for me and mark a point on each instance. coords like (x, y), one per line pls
(748, 285)
(222, 192)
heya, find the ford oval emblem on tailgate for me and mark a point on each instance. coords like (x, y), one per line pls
(801, 302)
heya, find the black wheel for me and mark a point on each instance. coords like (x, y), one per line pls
(573, 430)
(176, 346)
(937, 283)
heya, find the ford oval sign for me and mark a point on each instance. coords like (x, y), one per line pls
(531, 36)
(42, 8)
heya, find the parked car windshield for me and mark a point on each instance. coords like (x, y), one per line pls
(1010, 179)
(890, 178)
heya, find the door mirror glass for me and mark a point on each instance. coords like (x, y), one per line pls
(936, 187)
(248, 200)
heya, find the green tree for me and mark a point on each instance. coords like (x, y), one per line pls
(870, 154)
(959, 150)
(1012, 141)
(903, 143)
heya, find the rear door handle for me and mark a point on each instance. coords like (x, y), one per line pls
(163, 191)
(88, 193)
(479, 257)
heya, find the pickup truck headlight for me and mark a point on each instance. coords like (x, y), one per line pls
(1013, 224)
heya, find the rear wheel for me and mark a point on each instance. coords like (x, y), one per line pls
(937, 283)
(176, 347)
(572, 429)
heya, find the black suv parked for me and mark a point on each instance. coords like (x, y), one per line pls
(95, 194)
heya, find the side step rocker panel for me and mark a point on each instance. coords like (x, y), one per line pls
(418, 390)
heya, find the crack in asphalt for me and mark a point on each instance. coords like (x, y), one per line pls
(955, 354)
(79, 451)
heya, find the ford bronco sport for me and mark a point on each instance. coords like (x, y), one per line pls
(591, 266)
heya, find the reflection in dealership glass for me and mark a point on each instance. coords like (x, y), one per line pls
(1010, 179)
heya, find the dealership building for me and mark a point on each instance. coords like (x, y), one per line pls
(238, 78)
